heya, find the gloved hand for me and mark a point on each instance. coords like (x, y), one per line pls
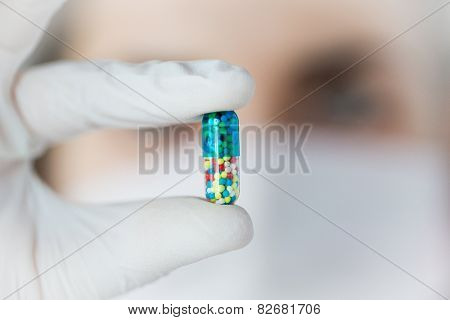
(49, 103)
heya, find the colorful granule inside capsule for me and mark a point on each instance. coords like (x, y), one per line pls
(220, 142)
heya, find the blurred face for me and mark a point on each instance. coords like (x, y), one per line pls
(290, 47)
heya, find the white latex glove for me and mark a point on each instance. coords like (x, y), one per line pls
(52, 102)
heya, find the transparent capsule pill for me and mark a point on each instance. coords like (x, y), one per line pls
(220, 143)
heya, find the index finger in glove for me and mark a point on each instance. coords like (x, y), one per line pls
(63, 99)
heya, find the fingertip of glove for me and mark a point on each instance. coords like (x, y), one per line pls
(235, 225)
(229, 86)
(237, 80)
(228, 227)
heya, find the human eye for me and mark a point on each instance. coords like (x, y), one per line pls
(336, 93)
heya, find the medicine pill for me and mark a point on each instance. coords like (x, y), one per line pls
(220, 143)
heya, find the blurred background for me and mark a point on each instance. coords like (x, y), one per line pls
(378, 150)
